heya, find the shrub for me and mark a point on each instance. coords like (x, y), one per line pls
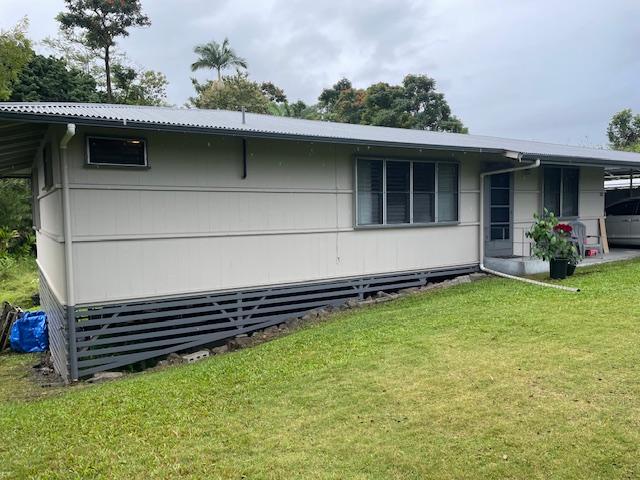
(551, 238)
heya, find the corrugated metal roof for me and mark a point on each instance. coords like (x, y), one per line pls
(222, 121)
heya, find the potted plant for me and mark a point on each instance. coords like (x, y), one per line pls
(559, 264)
(552, 242)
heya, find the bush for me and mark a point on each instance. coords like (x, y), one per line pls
(552, 239)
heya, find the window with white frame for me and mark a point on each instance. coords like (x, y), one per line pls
(405, 192)
(561, 190)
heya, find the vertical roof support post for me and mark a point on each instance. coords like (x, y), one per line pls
(68, 253)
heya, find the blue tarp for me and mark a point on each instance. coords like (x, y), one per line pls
(29, 333)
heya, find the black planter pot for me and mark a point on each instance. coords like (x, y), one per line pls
(571, 269)
(558, 268)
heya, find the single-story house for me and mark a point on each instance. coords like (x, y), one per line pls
(161, 229)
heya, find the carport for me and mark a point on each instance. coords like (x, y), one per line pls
(19, 143)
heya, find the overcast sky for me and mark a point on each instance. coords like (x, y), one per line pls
(541, 69)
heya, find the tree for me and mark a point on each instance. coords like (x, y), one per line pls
(99, 23)
(429, 108)
(48, 79)
(273, 93)
(138, 87)
(15, 53)
(300, 109)
(624, 131)
(413, 104)
(386, 105)
(15, 204)
(218, 57)
(330, 96)
(231, 93)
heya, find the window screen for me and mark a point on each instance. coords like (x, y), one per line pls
(369, 192)
(552, 181)
(116, 151)
(424, 192)
(397, 192)
(447, 192)
(561, 190)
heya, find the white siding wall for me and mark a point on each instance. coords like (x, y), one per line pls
(50, 235)
(191, 223)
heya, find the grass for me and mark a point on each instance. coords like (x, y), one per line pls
(18, 280)
(494, 379)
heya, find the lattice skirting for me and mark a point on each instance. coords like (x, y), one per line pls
(111, 336)
(57, 325)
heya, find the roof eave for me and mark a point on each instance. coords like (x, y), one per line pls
(108, 123)
(176, 128)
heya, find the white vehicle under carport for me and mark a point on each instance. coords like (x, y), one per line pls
(623, 222)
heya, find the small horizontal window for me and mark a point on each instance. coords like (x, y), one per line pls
(126, 152)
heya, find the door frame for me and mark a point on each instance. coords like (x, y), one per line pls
(491, 247)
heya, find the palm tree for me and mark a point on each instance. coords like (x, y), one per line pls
(216, 56)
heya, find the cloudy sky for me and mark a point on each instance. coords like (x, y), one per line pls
(534, 69)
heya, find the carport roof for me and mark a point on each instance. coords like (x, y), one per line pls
(268, 126)
(18, 145)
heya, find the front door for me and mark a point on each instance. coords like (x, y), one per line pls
(498, 212)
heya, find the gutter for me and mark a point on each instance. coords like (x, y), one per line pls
(483, 175)
(68, 251)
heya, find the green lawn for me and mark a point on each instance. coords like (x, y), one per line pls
(18, 280)
(494, 379)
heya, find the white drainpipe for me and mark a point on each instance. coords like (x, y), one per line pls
(530, 166)
(68, 250)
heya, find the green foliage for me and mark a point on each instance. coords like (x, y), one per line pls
(232, 93)
(492, 379)
(16, 235)
(48, 79)
(15, 54)
(18, 280)
(274, 93)
(550, 241)
(97, 24)
(15, 204)
(133, 87)
(300, 109)
(414, 104)
(217, 57)
(624, 131)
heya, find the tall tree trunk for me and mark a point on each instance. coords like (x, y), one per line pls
(107, 70)
(219, 75)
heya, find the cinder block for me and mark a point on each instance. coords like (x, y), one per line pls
(196, 356)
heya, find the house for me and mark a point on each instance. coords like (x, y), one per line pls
(161, 229)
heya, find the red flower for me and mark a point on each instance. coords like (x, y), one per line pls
(563, 227)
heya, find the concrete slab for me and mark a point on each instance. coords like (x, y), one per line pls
(522, 266)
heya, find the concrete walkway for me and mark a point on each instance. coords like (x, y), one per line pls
(522, 266)
(614, 255)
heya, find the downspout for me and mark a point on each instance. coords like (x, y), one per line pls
(68, 252)
(530, 166)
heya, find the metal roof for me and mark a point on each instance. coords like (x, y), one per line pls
(255, 125)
